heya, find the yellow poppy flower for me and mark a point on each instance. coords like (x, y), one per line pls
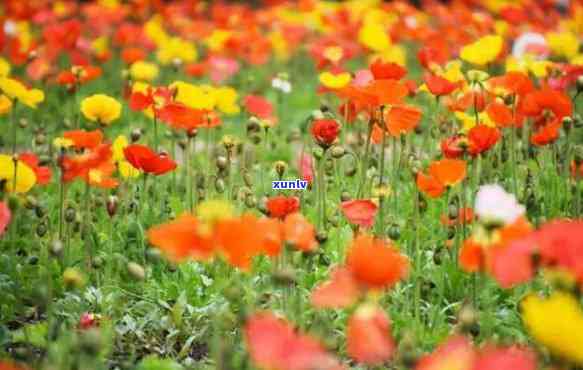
(468, 121)
(25, 176)
(176, 50)
(196, 97)
(217, 39)
(4, 67)
(374, 36)
(15, 90)
(226, 100)
(62, 143)
(563, 44)
(335, 81)
(143, 71)
(101, 108)
(393, 54)
(527, 64)
(557, 323)
(5, 105)
(483, 51)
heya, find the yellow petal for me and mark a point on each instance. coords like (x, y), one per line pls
(25, 176)
(335, 81)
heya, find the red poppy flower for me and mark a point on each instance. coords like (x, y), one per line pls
(514, 82)
(79, 166)
(8, 365)
(517, 358)
(428, 55)
(481, 138)
(368, 336)
(258, 106)
(84, 139)
(360, 212)
(280, 206)
(5, 217)
(274, 344)
(88, 321)
(453, 147)
(387, 71)
(145, 159)
(325, 131)
(541, 103)
(500, 114)
(375, 263)
(43, 174)
(438, 85)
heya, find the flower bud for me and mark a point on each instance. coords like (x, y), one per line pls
(136, 271)
(338, 151)
(136, 135)
(111, 205)
(280, 167)
(73, 278)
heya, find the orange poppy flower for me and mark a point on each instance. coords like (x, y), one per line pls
(540, 103)
(183, 238)
(546, 134)
(78, 166)
(471, 256)
(360, 212)
(375, 263)
(179, 116)
(500, 114)
(448, 172)
(299, 232)
(368, 336)
(239, 240)
(8, 365)
(514, 357)
(84, 139)
(429, 185)
(514, 82)
(341, 290)
(402, 119)
(387, 91)
(131, 55)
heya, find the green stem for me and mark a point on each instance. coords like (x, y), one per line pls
(364, 163)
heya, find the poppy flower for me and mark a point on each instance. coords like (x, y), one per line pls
(500, 114)
(402, 119)
(325, 131)
(442, 174)
(258, 106)
(375, 263)
(341, 290)
(334, 81)
(387, 71)
(131, 55)
(464, 216)
(547, 106)
(145, 159)
(305, 168)
(183, 238)
(179, 116)
(546, 134)
(8, 365)
(439, 86)
(5, 217)
(483, 51)
(43, 173)
(82, 139)
(101, 108)
(299, 232)
(280, 206)
(456, 350)
(517, 83)
(454, 147)
(89, 320)
(481, 138)
(25, 177)
(559, 313)
(143, 71)
(368, 335)
(274, 344)
(514, 357)
(388, 92)
(80, 165)
(428, 55)
(471, 256)
(360, 212)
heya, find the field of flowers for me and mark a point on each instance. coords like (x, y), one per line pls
(291, 185)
